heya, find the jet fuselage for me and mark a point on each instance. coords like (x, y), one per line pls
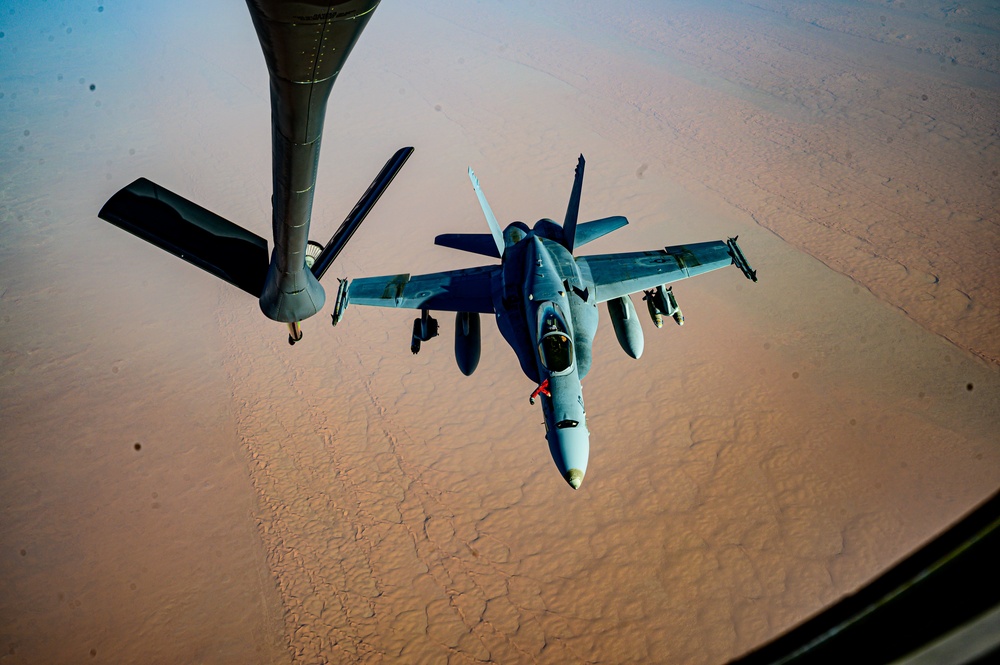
(547, 315)
(545, 302)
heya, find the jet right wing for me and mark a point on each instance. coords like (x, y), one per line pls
(616, 275)
(467, 290)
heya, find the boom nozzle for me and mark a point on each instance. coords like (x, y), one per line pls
(294, 333)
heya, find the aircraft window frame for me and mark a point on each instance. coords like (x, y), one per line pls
(556, 354)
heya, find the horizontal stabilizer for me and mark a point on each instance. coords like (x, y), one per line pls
(599, 227)
(190, 232)
(477, 243)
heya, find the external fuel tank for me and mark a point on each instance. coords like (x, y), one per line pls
(627, 327)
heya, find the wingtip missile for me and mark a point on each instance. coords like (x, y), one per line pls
(340, 306)
(739, 260)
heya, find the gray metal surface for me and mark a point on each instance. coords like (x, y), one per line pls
(305, 46)
(545, 302)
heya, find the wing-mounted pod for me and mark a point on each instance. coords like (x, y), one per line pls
(424, 329)
(627, 327)
(660, 302)
(468, 341)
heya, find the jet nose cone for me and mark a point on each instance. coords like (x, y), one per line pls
(575, 478)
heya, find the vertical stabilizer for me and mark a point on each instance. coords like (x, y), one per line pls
(490, 218)
(573, 210)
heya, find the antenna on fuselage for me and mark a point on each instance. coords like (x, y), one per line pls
(490, 217)
(573, 210)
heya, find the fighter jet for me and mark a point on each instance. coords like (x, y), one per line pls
(545, 302)
(305, 44)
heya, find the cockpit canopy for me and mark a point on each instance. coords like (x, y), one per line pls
(555, 346)
(556, 352)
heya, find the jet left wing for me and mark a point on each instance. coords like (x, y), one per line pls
(616, 275)
(467, 290)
